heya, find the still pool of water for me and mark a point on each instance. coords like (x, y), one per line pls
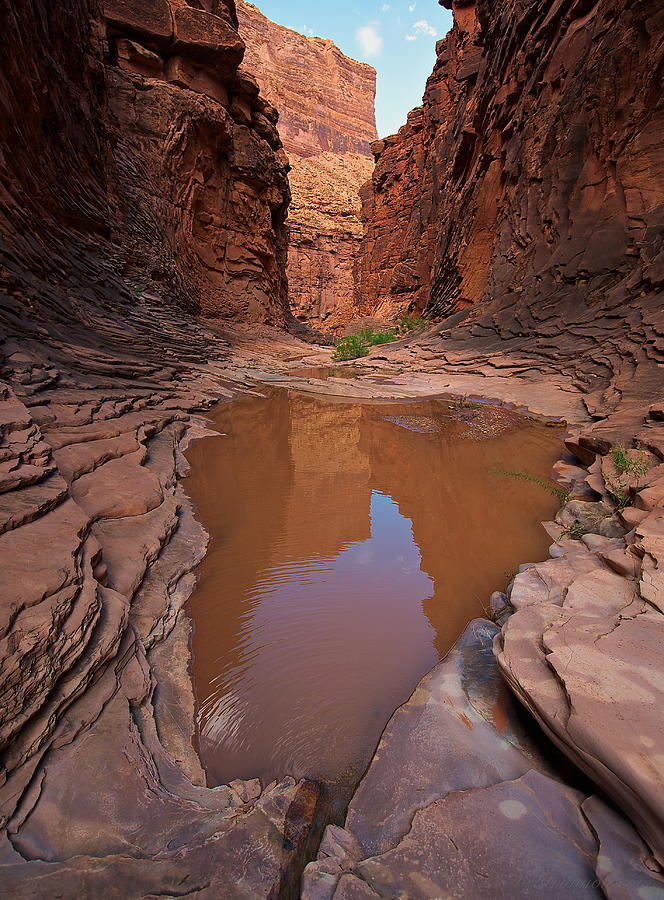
(350, 545)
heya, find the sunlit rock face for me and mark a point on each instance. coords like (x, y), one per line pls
(532, 172)
(327, 123)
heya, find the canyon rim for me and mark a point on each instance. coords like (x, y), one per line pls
(188, 194)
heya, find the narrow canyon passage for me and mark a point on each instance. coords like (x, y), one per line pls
(351, 543)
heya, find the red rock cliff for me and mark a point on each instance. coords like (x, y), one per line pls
(326, 121)
(201, 174)
(139, 174)
(532, 174)
(325, 99)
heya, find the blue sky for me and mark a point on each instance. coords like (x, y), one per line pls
(397, 37)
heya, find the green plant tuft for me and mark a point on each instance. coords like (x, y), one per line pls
(412, 323)
(629, 464)
(560, 493)
(575, 531)
(464, 403)
(355, 345)
(350, 347)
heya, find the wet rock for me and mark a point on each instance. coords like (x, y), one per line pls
(446, 854)
(412, 826)
(624, 865)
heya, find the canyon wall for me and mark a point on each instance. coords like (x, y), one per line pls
(141, 179)
(202, 178)
(530, 175)
(154, 140)
(326, 122)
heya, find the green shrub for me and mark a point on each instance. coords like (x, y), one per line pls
(575, 531)
(412, 323)
(350, 347)
(628, 463)
(355, 345)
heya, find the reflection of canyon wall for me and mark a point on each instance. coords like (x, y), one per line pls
(532, 173)
(332, 494)
(282, 495)
(471, 528)
(326, 121)
(316, 490)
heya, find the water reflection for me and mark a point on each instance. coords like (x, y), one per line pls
(299, 614)
(349, 548)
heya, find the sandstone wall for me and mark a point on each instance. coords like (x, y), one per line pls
(532, 173)
(327, 122)
(325, 99)
(129, 149)
(202, 179)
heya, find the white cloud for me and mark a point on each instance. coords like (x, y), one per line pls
(421, 27)
(412, 6)
(369, 40)
(302, 29)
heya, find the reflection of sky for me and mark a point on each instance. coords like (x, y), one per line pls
(321, 664)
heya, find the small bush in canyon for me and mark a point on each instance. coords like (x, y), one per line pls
(628, 464)
(412, 323)
(355, 345)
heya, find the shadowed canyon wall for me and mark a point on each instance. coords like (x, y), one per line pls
(326, 122)
(155, 141)
(531, 174)
(201, 175)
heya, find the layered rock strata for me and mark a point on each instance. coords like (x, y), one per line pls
(201, 176)
(107, 165)
(325, 99)
(531, 174)
(326, 122)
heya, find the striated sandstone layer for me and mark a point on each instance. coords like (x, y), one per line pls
(202, 191)
(324, 236)
(327, 123)
(325, 99)
(531, 174)
(107, 166)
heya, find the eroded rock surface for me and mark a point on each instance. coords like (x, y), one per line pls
(583, 649)
(201, 174)
(107, 166)
(459, 801)
(528, 190)
(327, 123)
